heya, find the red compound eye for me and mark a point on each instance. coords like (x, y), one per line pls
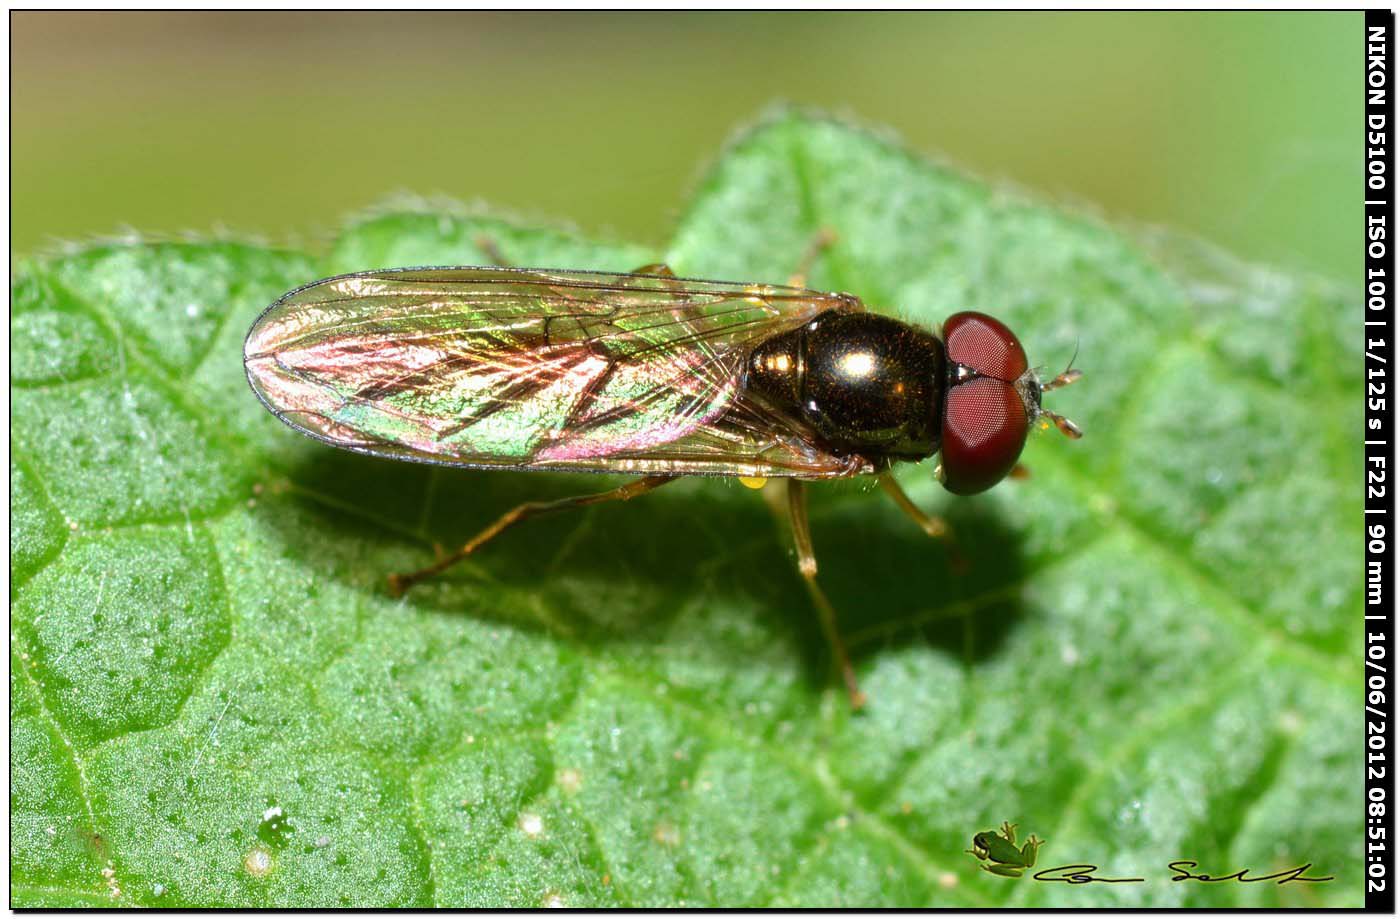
(978, 341)
(984, 429)
(984, 418)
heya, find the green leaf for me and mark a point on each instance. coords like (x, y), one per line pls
(1147, 655)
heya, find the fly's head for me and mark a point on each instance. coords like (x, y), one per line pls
(992, 401)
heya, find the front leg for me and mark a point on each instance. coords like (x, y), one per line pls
(931, 524)
(936, 527)
(824, 239)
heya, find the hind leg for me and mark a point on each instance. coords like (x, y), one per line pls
(398, 583)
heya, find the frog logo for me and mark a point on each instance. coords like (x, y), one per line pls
(998, 852)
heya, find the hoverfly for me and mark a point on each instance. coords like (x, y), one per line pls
(648, 374)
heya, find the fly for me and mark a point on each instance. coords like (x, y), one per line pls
(650, 375)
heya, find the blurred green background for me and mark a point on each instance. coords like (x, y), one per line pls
(1242, 128)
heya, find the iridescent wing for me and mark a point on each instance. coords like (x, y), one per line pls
(549, 370)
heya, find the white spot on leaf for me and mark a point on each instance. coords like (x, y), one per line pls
(258, 862)
(531, 825)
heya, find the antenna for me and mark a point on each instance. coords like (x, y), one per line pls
(1066, 378)
(1070, 374)
(1067, 427)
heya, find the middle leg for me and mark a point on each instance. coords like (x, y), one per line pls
(492, 250)
(807, 565)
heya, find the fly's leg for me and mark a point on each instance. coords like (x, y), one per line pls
(398, 583)
(663, 271)
(934, 526)
(824, 239)
(659, 269)
(807, 565)
(488, 245)
(492, 249)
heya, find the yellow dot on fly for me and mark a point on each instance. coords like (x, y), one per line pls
(752, 481)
